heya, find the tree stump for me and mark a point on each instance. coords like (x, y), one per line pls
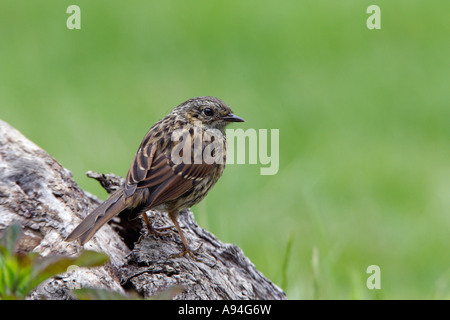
(40, 194)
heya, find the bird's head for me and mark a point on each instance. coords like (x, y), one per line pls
(213, 113)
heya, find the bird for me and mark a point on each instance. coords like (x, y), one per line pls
(179, 160)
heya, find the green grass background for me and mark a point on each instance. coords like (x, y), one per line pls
(364, 122)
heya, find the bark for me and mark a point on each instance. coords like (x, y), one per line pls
(38, 192)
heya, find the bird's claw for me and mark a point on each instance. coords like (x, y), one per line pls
(161, 231)
(189, 252)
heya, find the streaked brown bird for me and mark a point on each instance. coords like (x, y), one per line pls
(178, 162)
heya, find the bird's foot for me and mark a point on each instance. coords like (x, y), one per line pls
(188, 251)
(160, 231)
(157, 231)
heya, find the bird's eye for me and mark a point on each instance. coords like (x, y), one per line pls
(208, 112)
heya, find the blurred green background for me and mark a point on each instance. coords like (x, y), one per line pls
(364, 122)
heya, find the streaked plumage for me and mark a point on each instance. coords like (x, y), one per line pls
(157, 179)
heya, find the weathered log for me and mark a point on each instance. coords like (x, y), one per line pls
(40, 194)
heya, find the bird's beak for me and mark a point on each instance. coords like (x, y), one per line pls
(232, 118)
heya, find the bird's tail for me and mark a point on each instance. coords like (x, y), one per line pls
(97, 218)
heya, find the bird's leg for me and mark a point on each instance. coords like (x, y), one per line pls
(173, 216)
(154, 230)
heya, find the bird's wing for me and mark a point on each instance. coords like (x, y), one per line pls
(152, 168)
